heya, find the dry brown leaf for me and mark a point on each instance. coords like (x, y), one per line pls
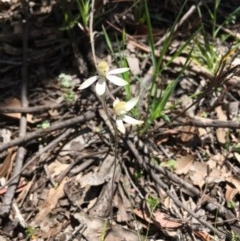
(142, 215)
(230, 193)
(221, 133)
(215, 160)
(76, 144)
(53, 113)
(217, 176)
(123, 204)
(15, 103)
(133, 64)
(100, 177)
(100, 229)
(160, 220)
(6, 166)
(211, 164)
(164, 137)
(8, 156)
(92, 179)
(52, 231)
(235, 181)
(204, 236)
(56, 167)
(51, 202)
(188, 133)
(198, 173)
(183, 164)
(122, 215)
(142, 29)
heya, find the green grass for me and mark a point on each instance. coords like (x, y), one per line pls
(84, 7)
(82, 17)
(206, 50)
(205, 53)
(157, 103)
(152, 203)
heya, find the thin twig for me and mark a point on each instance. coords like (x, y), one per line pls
(19, 215)
(91, 32)
(181, 21)
(165, 188)
(183, 206)
(171, 176)
(114, 132)
(34, 109)
(205, 122)
(131, 181)
(9, 196)
(83, 166)
(55, 126)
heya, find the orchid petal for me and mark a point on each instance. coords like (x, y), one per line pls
(132, 121)
(101, 86)
(116, 80)
(117, 71)
(131, 103)
(120, 126)
(88, 82)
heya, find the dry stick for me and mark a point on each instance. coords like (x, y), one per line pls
(83, 166)
(205, 122)
(114, 132)
(232, 33)
(9, 196)
(182, 20)
(41, 132)
(212, 205)
(45, 149)
(116, 147)
(165, 188)
(183, 206)
(131, 180)
(192, 191)
(30, 109)
(92, 33)
(146, 83)
(219, 78)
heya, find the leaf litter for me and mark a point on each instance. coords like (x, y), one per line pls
(69, 192)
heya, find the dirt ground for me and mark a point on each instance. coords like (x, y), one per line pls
(65, 175)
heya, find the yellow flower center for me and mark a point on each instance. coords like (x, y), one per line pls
(120, 108)
(102, 68)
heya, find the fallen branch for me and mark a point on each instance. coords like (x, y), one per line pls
(41, 132)
(162, 185)
(9, 196)
(205, 122)
(31, 109)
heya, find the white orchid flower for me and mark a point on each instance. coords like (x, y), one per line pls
(120, 109)
(103, 75)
